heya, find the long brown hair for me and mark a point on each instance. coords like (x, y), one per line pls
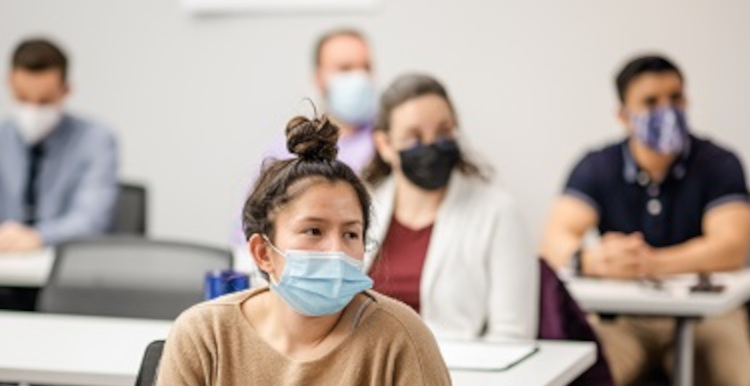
(403, 89)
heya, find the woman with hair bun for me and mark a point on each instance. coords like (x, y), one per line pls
(318, 323)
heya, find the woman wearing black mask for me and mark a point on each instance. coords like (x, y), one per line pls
(451, 244)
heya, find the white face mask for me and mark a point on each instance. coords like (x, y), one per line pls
(37, 122)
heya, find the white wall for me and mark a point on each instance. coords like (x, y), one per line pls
(195, 99)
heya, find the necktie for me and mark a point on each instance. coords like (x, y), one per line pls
(36, 154)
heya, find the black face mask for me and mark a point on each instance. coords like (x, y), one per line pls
(430, 166)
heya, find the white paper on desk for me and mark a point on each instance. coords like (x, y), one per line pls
(484, 356)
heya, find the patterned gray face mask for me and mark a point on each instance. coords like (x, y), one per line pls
(663, 129)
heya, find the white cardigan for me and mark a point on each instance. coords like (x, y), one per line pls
(479, 276)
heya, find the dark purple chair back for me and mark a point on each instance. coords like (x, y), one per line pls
(561, 318)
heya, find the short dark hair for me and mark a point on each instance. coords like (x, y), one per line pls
(38, 55)
(326, 37)
(640, 65)
(281, 181)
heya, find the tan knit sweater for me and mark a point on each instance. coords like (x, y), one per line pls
(213, 344)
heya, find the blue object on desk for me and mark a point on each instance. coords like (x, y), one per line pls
(222, 282)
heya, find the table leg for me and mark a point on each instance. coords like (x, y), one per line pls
(684, 363)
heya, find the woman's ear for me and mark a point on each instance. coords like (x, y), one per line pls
(259, 250)
(384, 148)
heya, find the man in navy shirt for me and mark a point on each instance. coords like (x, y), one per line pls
(665, 202)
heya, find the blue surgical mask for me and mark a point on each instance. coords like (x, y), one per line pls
(351, 97)
(663, 130)
(319, 283)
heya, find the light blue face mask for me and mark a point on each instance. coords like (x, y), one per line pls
(351, 97)
(319, 283)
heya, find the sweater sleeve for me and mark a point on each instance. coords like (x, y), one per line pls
(419, 362)
(186, 359)
(514, 278)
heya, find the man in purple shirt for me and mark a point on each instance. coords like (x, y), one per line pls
(344, 77)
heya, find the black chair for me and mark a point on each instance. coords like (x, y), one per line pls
(131, 208)
(150, 364)
(129, 277)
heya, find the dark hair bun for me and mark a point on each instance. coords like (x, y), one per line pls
(312, 139)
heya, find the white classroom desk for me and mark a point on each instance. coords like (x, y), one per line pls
(673, 300)
(74, 350)
(556, 363)
(98, 351)
(26, 269)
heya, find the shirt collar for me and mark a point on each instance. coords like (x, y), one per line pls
(633, 174)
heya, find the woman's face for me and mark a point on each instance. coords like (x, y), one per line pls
(423, 120)
(324, 217)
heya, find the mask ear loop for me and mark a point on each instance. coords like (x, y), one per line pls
(270, 244)
(277, 250)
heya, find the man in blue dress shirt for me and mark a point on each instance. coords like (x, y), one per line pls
(58, 172)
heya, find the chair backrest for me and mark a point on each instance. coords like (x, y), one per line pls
(129, 277)
(130, 215)
(560, 317)
(150, 364)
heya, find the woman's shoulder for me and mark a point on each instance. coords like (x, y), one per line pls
(485, 195)
(392, 306)
(392, 315)
(208, 317)
(396, 328)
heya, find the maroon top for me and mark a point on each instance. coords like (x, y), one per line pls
(397, 272)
